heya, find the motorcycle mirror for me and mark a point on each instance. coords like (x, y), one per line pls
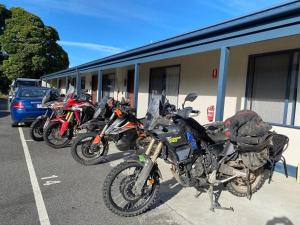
(189, 98)
(123, 100)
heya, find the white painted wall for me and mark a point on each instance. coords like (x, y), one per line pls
(120, 85)
(238, 66)
(196, 76)
(44, 83)
(88, 82)
(63, 85)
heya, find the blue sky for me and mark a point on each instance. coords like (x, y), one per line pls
(92, 29)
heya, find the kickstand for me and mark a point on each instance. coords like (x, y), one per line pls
(272, 171)
(214, 200)
(198, 193)
(285, 167)
(248, 185)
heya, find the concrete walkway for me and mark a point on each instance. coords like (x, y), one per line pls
(277, 203)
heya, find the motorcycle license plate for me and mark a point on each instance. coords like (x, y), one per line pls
(40, 106)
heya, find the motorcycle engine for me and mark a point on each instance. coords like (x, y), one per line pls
(198, 167)
(203, 165)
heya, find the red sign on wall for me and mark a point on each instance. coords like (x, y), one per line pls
(215, 74)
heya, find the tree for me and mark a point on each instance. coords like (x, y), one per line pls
(31, 46)
(4, 82)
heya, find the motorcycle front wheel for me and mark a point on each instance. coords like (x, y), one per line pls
(37, 129)
(118, 194)
(85, 153)
(53, 138)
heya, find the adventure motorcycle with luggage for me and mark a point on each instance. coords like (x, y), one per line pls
(122, 128)
(239, 154)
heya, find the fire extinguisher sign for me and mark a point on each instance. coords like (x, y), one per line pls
(210, 113)
(214, 74)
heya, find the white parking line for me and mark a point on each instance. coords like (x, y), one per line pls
(39, 201)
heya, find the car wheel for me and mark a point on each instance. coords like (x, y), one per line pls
(28, 124)
(14, 124)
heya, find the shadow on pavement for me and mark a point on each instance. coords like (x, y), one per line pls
(4, 114)
(279, 221)
(168, 190)
(117, 156)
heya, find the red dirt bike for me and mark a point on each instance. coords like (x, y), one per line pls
(62, 129)
(122, 128)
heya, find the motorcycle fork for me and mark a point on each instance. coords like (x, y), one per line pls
(148, 166)
(77, 116)
(65, 124)
(99, 137)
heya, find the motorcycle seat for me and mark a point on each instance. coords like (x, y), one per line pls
(216, 131)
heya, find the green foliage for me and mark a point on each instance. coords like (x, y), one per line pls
(4, 82)
(30, 44)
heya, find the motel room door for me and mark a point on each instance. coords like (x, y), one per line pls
(130, 87)
(165, 79)
(94, 88)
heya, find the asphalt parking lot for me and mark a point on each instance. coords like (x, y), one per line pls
(71, 193)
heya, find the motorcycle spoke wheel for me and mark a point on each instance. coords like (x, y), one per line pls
(53, 138)
(85, 153)
(118, 192)
(38, 131)
(85, 149)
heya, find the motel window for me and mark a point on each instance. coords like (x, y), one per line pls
(165, 79)
(272, 86)
(108, 85)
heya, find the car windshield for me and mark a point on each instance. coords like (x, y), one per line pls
(32, 93)
(24, 83)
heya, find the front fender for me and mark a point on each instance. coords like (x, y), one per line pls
(137, 158)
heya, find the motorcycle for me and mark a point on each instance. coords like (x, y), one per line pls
(122, 128)
(62, 129)
(205, 158)
(54, 107)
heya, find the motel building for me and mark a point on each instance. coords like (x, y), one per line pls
(251, 62)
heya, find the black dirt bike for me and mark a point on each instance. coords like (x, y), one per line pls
(54, 106)
(122, 127)
(201, 157)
